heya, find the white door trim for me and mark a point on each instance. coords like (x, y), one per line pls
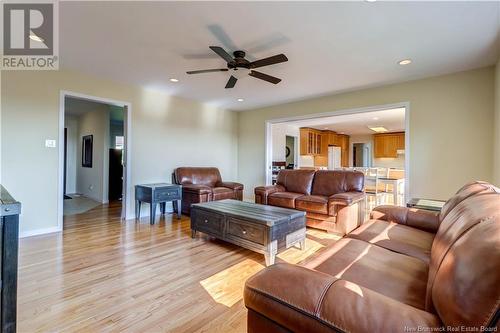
(127, 200)
(405, 105)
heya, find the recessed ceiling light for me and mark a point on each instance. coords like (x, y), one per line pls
(375, 118)
(370, 0)
(325, 127)
(36, 38)
(404, 62)
(341, 132)
(240, 99)
(174, 80)
(378, 129)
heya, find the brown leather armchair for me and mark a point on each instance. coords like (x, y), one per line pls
(403, 270)
(203, 185)
(332, 199)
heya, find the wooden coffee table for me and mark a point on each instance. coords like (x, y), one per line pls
(260, 228)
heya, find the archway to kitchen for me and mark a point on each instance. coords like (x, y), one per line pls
(373, 140)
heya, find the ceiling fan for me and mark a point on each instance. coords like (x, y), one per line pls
(239, 61)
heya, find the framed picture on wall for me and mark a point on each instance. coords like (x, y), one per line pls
(87, 145)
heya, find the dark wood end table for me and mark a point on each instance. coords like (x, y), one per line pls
(426, 204)
(159, 193)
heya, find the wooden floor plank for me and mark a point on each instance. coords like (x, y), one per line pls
(104, 275)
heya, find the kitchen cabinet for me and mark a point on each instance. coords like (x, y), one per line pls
(343, 143)
(332, 138)
(310, 141)
(315, 143)
(388, 144)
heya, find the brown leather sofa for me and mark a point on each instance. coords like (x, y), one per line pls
(332, 200)
(204, 184)
(405, 270)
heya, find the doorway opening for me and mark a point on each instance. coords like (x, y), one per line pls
(372, 140)
(93, 156)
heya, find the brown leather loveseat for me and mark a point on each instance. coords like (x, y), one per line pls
(332, 199)
(204, 184)
(405, 270)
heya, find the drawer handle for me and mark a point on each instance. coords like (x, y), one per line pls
(206, 221)
(244, 232)
(7, 209)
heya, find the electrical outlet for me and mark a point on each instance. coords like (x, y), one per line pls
(91, 187)
(50, 143)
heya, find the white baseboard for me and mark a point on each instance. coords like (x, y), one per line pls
(37, 232)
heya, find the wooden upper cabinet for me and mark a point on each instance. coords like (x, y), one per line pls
(332, 138)
(310, 141)
(342, 141)
(388, 144)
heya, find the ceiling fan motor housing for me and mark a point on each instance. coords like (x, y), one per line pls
(239, 61)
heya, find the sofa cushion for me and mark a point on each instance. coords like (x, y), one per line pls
(298, 181)
(327, 182)
(221, 193)
(396, 237)
(194, 175)
(395, 275)
(283, 199)
(312, 203)
(467, 191)
(464, 262)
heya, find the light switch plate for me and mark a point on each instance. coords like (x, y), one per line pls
(50, 143)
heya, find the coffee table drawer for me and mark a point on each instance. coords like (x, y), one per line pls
(246, 230)
(209, 223)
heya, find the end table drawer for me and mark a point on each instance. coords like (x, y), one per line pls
(167, 194)
(209, 223)
(245, 230)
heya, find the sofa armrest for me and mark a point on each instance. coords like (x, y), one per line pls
(262, 192)
(347, 198)
(417, 218)
(324, 303)
(231, 185)
(198, 189)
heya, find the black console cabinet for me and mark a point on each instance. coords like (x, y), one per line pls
(9, 242)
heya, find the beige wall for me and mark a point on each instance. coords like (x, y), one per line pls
(71, 124)
(496, 152)
(93, 182)
(451, 137)
(166, 132)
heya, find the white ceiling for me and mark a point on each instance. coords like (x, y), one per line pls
(331, 46)
(357, 124)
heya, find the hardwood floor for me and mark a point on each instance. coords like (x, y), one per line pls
(100, 274)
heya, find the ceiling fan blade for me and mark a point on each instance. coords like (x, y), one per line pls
(269, 61)
(231, 82)
(265, 77)
(208, 71)
(222, 53)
